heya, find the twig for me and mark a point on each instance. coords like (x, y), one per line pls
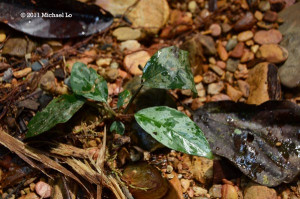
(132, 98)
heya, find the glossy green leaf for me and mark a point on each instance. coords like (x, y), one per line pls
(174, 130)
(123, 98)
(169, 68)
(59, 110)
(86, 82)
(118, 127)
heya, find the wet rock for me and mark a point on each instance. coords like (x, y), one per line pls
(245, 23)
(126, 33)
(215, 88)
(132, 62)
(232, 64)
(8, 75)
(264, 83)
(22, 73)
(17, 47)
(231, 44)
(209, 77)
(264, 6)
(289, 72)
(131, 45)
(216, 191)
(150, 15)
(215, 29)
(144, 175)
(47, 81)
(222, 52)
(268, 37)
(238, 50)
(115, 7)
(259, 192)
(245, 36)
(270, 16)
(272, 53)
(233, 93)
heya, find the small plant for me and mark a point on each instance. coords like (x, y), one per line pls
(169, 68)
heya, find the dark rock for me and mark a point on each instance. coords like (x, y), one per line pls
(289, 72)
(59, 73)
(232, 65)
(277, 5)
(270, 16)
(245, 23)
(44, 100)
(38, 65)
(29, 104)
(8, 75)
(231, 44)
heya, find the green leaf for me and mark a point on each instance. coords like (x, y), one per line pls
(123, 98)
(118, 127)
(59, 110)
(174, 130)
(169, 68)
(86, 82)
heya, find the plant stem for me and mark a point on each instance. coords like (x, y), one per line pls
(132, 98)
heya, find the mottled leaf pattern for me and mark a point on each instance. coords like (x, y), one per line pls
(123, 98)
(118, 127)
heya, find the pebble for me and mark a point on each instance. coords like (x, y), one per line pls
(208, 44)
(38, 65)
(272, 53)
(233, 93)
(220, 97)
(209, 77)
(244, 87)
(245, 23)
(22, 73)
(199, 191)
(247, 56)
(29, 196)
(232, 64)
(200, 90)
(126, 33)
(217, 70)
(47, 81)
(226, 27)
(229, 77)
(192, 6)
(222, 52)
(169, 169)
(231, 44)
(245, 36)
(238, 50)
(272, 36)
(264, 6)
(215, 29)
(215, 191)
(131, 45)
(2, 36)
(103, 62)
(8, 75)
(215, 88)
(221, 64)
(198, 79)
(277, 5)
(43, 189)
(229, 192)
(254, 48)
(259, 192)
(17, 47)
(185, 184)
(59, 73)
(258, 15)
(265, 25)
(151, 15)
(132, 62)
(270, 16)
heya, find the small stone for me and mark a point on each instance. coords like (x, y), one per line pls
(244, 87)
(200, 90)
(17, 47)
(22, 73)
(2, 36)
(29, 104)
(132, 62)
(8, 75)
(226, 27)
(233, 93)
(254, 48)
(238, 50)
(258, 15)
(222, 52)
(268, 37)
(229, 192)
(199, 191)
(47, 81)
(259, 192)
(208, 44)
(232, 65)
(265, 25)
(103, 62)
(221, 64)
(270, 16)
(32, 186)
(59, 73)
(204, 13)
(198, 79)
(245, 36)
(185, 184)
(220, 97)
(215, 29)
(43, 189)
(215, 88)
(212, 60)
(169, 169)
(131, 45)
(38, 65)
(170, 176)
(231, 44)
(264, 6)
(126, 33)
(245, 23)
(29, 196)
(264, 83)
(217, 70)
(216, 191)
(272, 53)
(277, 5)
(247, 56)
(202, 169)
(192, 6)
(209, 77)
